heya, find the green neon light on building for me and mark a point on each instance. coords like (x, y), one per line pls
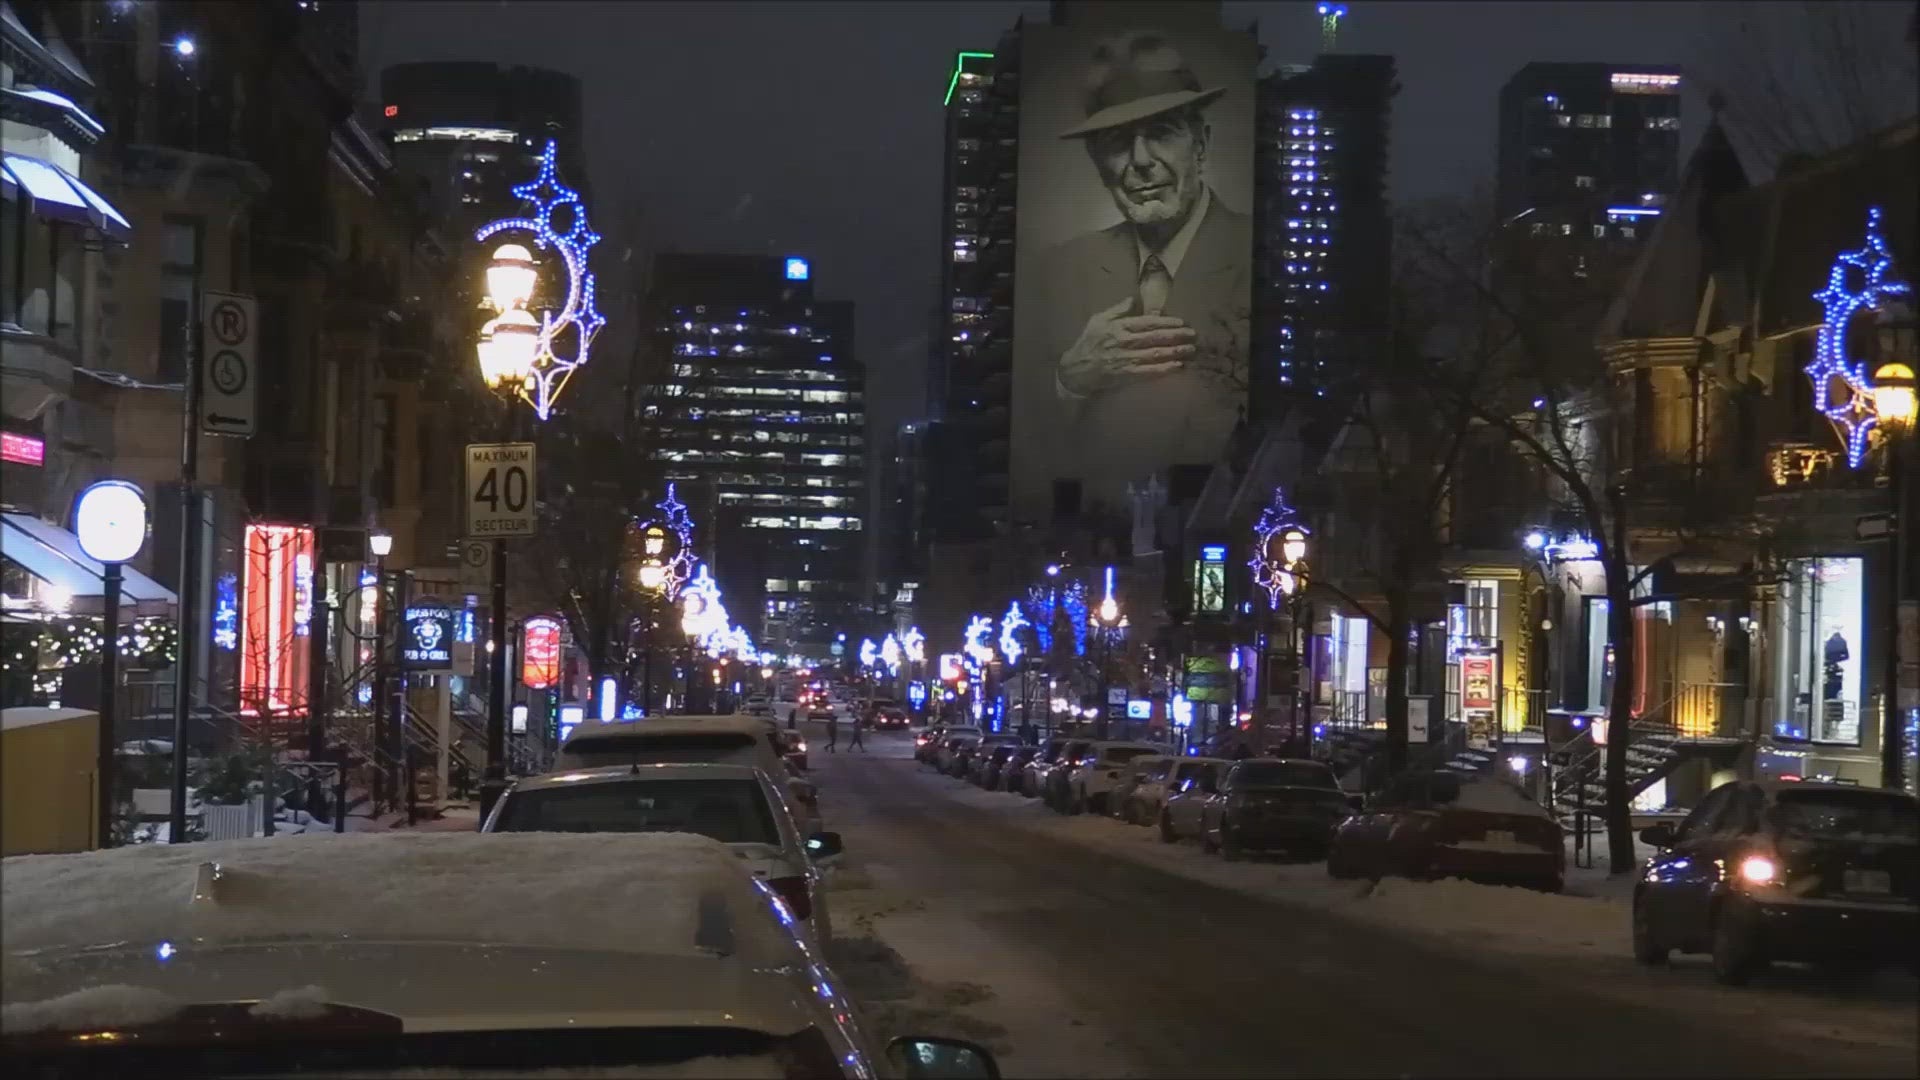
(960, 62)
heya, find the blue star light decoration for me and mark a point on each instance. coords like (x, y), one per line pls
(546, 194)
(1010, 625)
(977, 651)
(1841, 304)
(676, 520)
(1267, 571)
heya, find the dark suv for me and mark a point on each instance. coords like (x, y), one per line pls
(1784, 870)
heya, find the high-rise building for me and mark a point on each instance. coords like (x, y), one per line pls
(761, 417)
(969, 378)
(1322, 229)
(468, 131)
(1588, 150)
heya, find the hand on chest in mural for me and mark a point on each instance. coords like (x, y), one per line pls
(1117, 345)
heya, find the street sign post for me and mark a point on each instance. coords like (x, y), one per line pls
(499, 490)
(229, 385)
(476, 566)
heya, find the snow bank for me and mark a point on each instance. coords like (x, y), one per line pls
(300, 1003)
(94, 1007)
(628, 892)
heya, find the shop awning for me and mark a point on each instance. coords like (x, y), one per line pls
(54, 112)
(53, 555)
(58, 195)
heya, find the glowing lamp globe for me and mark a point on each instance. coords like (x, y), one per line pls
(381, 544)
(1293, 545)
(516, 341)
(511, 277)
(110, 518)
(1893, 395)
(652, 575)
(1109, 611)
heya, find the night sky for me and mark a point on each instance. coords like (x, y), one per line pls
(815, 128)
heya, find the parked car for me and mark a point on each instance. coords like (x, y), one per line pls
(1131, 777)
(1181, 816)
(735, 740)
(955, 743)
(1006, 775)
(1053, 783)
(1100, 770)
(1442, 824)
(988, 758)
(738, 805)
(443, 969)
(1036, 767)
(927, 743)
(1783, 870)
(1275, 804)
(1155, 779)
(964, 762)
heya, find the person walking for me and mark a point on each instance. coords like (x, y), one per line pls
(833, 732)
(859, 728)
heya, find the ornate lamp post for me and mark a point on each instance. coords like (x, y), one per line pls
(110, 520)
(530, 358)
(1279, 566)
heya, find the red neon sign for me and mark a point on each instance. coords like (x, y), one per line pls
(22, 449)
(277, 602)
(540, 653)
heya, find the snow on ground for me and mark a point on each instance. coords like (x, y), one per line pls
(1588, 925)
(96, 1006)
(397, 886)
(919, 964)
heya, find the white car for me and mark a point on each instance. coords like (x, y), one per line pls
(734, 740)
(441, 954)
(738, 805)
(1104, 766)
(1142, 806)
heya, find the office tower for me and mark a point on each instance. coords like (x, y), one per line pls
(1322, 228)
(468, 131)
(761, 417)
(1588, 151)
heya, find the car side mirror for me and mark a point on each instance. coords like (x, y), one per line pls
(932, 1057)
(824, 845)
(1659, 834)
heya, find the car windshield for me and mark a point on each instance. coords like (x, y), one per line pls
(732, 811)
(1825, 813)
(692, 746)
(1284, 774)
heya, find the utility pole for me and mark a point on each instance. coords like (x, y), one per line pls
(188, 637)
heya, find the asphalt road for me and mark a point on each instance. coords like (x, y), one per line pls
(1163, 976)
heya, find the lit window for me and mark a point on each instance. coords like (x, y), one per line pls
(1583, 182)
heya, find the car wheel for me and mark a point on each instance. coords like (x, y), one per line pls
(1166, 829)
(1736, 955)
(1646, 947)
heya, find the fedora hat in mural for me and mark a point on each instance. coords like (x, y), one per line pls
(1136, 76)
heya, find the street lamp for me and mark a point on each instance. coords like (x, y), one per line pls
(511, 277)
(110, 520)
(1108, 620)
(1895, 409)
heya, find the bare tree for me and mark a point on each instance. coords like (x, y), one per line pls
(1809, 78)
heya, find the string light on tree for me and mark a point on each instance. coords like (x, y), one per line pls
(552, 366)
(869, 653)
(916, 645)
(676, 569)
(1841, 302)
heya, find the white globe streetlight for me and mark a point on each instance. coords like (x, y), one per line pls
(511, 277)
(110, 519)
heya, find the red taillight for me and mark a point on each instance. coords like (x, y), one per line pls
(793, 891)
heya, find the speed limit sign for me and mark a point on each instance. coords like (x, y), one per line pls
(499, 490)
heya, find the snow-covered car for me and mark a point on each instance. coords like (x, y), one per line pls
(1784, 870)
(431, 954)
(736, 740)
(738, 805)
(758, 705)
(1028, 782)
(1442, 824)
(973, 761)
(1162, 777)
(1101, 769)
(1055, 779)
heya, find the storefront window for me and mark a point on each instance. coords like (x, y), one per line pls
(1599, 658)
(1815, 641)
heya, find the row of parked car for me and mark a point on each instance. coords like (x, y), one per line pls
(1428, 825)
(1759, 871)
(691, 941)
